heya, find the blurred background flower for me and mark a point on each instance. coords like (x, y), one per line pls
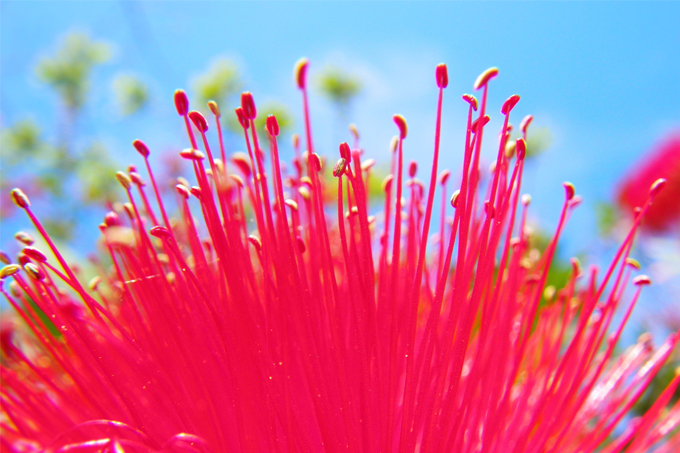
(662, 161)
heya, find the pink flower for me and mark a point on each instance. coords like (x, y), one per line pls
(279, 324)
(662, 162)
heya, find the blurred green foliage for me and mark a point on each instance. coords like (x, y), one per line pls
(607, 216)
(282, 113)
(47, 168)
(131, 93)
(283, 116)
(376, 175)
(338, 85)
(538, 140)
(657, 386)
(68, 72)
(20, 141)
(560, 270)
(44, 319)
(221, 81)
(60, 228)
(94, 170)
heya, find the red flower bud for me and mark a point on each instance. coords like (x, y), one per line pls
(241, 118)
(345, 152)
(136, 179)
(442, 75)
(401, 124)
(412, 168)
(34, 272)
(521, 148)
(300, 73)
(24, 238)
(181, 102)
(470, 99)
(34, 254)
(182, 190)
(20, 199)
(509, 104)
(111, 219)
(196, 192)
(214, 108)
(23, 260)
(272, 125)
(141, 148)
(192, 154)
(199, 121)
(476, 123)
(484, 78)
(160, 232)
(248, 106)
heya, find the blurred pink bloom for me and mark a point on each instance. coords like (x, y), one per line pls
(661, 162)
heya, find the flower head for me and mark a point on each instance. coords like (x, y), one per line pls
(662, 162)
(277, 323)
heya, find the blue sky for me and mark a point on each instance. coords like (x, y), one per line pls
(602, 76)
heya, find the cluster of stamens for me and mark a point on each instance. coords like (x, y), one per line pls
(272, 322)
